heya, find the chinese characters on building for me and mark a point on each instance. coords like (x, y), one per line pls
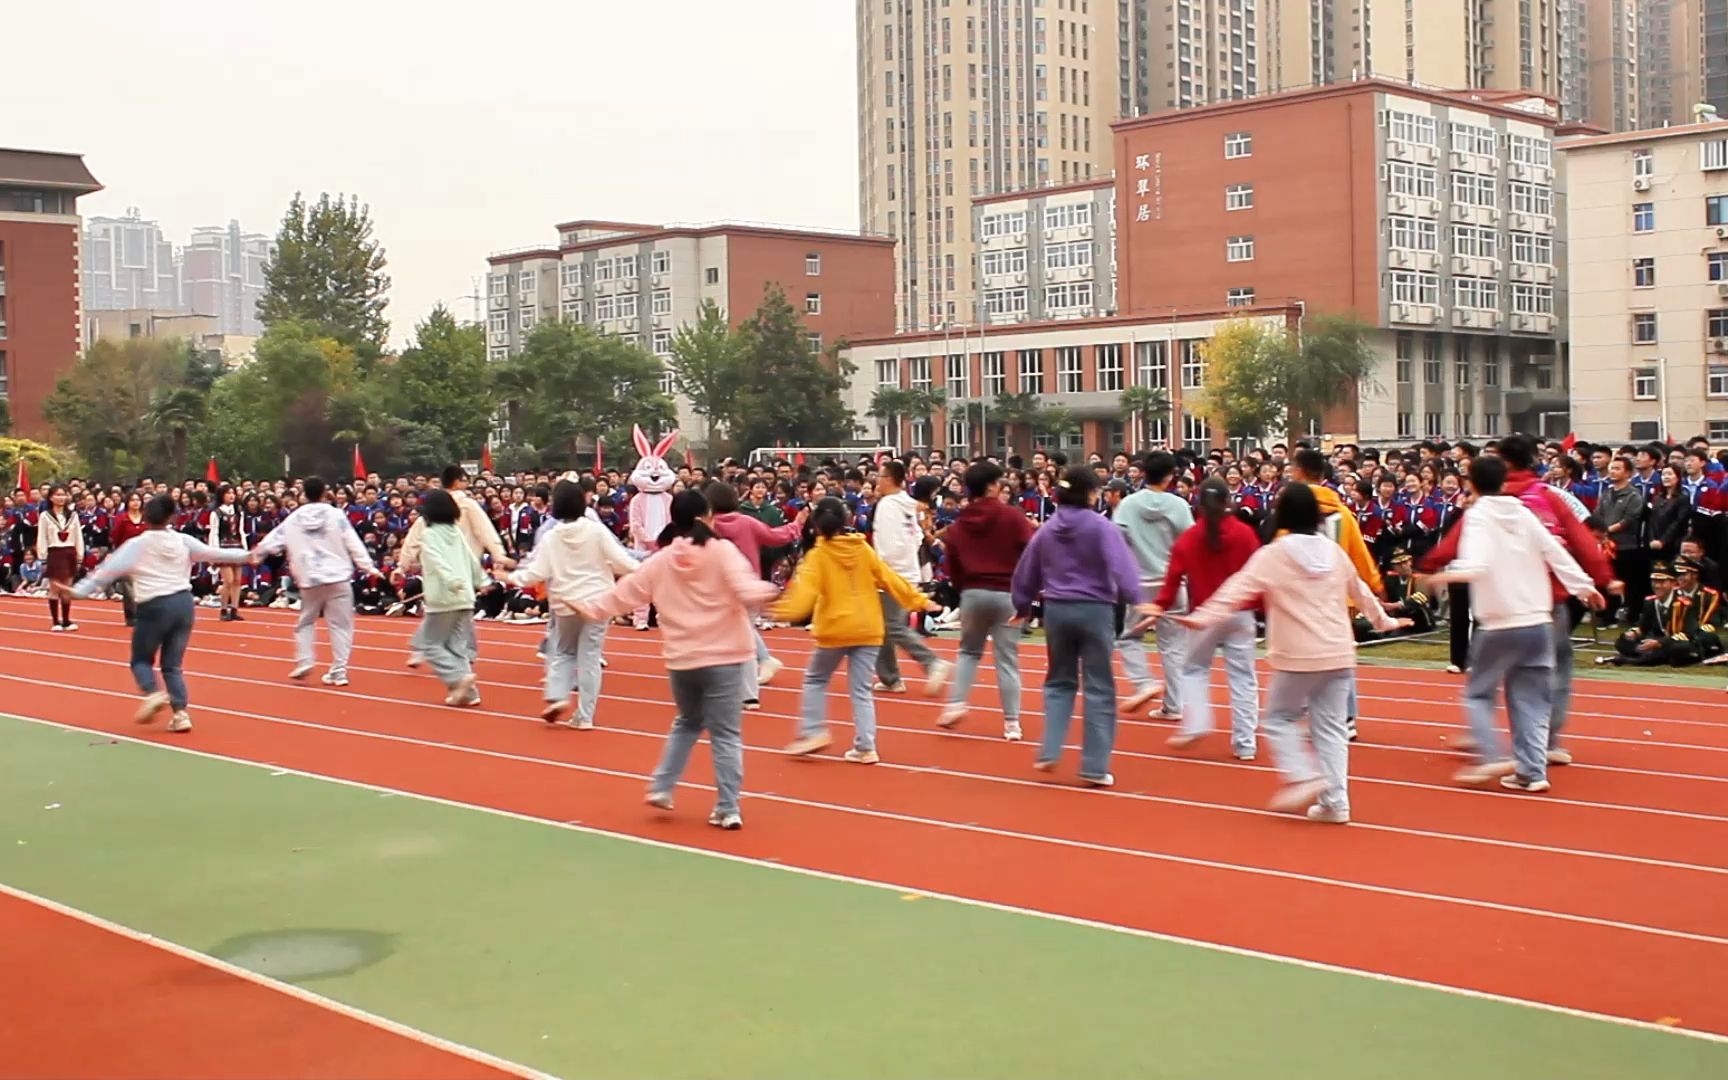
(1148, 187)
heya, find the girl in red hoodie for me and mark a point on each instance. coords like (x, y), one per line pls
(1204, 559)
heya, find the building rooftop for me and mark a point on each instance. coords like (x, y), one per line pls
(625, 234)
(1687, 131)
(1154, 319)
(46, 168)
(1514, 105)
(1102, 181)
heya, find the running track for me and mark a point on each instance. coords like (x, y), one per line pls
(1609, 895)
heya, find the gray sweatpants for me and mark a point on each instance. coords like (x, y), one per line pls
(335, 605)
(899, 633)
(573, 650)
(985, 613)
(444, 641)
(1324, 693)
(1521, 659)
(709, 699)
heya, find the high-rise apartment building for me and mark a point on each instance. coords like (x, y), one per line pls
(1683, 59)
(1600, 43)
(127, 264)
(1190, 52)
(975, 98)
(222, 274)
(40, 320)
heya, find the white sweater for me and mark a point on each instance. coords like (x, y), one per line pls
(898, 535)
(159, 563)
(578, 561)
(322, 547)
(1505, 553)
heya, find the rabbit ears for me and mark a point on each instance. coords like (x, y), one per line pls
(657, 450)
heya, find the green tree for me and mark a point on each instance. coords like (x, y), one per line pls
(891, 404)
(175, 413)
(785, 391)
(419, 448)
(442, 381)
(240, 431)
(44, 462)
(101, 408)
(570, 385)
(314, 402)
(1335, 365)
(1055, 421)
(705, 368)
(5, 417)
(1140, 406)
(1261, 379)
(328, 273)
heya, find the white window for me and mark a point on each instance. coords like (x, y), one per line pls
(1413, 128)
(1713, 154)
(1530, 150)
(527, 282)
(627, 306)
(1005, 301)
(662, 343)
(662, 262)
(1070, 369)
(1193, 365)
(1239, 249)
(1475, 242)
(1472, 139)
(1196, 430)
(1644, 384)
(569, 239)
(1432, 425)
(1405, 430)
(1242, 297)
(888, 372)
(813, 303)
(1644, 273)
(1643, 217)
(569, 274)
(497, 284)
(1532, 199)
(1109, 368)
(1239, 197)
(570, 311)
(1477, 293)
(957, 437)
(1414, 288)
(1491, 368)
(1238, 144)
(1007, 223)
(1530, 299)
(498, 322)
(1415, 234)
(814, 340)
(1152, 362)
(1716, 380)
(1491, 424)
(1005, 261)
(813, 264)
(605, 307)
(626, 267)
(959, 369)
(498, 354)
(1031, 371)
(918, 372)
(1473, 190)
(602, 269)
(1066, 296)
(994, 375)
(1536, 248)
(1643, 328)
(1074, 254)
(1404, 178)
(711, 275)
(525, 318)
(660, 302)
(1068, 216)
(1643, 164)
(920, 430)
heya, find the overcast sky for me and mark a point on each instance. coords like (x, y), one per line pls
(469, 128)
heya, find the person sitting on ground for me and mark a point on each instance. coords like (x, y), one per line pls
(1667, 628)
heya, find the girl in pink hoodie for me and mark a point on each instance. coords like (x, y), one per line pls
(704, 590)
(1307, 585)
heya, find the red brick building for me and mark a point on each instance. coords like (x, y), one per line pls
(40, 316)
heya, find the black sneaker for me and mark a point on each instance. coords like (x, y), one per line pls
(1350, 728)
(1514, 782)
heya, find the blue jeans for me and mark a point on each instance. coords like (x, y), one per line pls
(1235, 636)
(860, 669)
(164, 627)
(985, 613)
(709, 699)
(1562, 672)
(1080, 636)
(573, 650)
(1326, 753)
(1522, 660)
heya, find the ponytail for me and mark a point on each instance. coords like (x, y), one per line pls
(688, 509)
(1214, 508)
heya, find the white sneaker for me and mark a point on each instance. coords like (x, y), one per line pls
(881, 687)
(332, 678)
(602, 663)
(1292, 798)
(731, 820)
(862, 757)
(809, 744)
(937, 677)
(659, 800)
(952, 715)
(1328, 815)
(463, 695)
(57, 628)
(415, 660)
(1477, 775)
(1100, 781)
(1559, 755)
(149, 707)
(1136, 701)
(71, 628)
(767, 669)
(558, 712)
(1011, 730)
(181, 723)
(1454, 669)
(300, 671)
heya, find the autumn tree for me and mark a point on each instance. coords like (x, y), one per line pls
(328, 273)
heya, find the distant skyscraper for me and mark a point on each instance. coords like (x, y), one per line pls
(1683, 59)
(127, 264)
(222, 274)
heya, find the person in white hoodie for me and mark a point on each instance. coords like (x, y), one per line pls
(897, 535)
(324, 554)
(578, 560)
(1505, 553)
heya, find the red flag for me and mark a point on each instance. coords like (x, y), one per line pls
(599, 453)
(23, 476)
(486, 457)
(798, 459)
(1569, 442)
(211, 472)
(359, 464)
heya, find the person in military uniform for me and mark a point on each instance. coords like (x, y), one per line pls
(1403, 601)
(1706, 606)
(1667, 628)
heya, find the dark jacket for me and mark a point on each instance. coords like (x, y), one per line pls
(1627, 505)
(984, 544)
(1667, 522)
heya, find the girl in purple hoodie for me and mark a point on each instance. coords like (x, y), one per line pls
(1081, 565)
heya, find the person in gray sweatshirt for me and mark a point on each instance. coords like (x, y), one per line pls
(324, 554)
(1151, 519)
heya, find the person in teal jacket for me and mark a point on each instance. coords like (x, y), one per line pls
(451, 576)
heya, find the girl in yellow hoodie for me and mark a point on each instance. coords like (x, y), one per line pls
(836, 588)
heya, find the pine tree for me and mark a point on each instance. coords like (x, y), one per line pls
(328, 272)
(786, 391)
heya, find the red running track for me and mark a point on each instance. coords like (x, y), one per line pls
(1546, 899)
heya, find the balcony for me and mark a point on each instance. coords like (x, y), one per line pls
(1540, 275)
(1474, 266)
(1526, 323)
(1475, 319)
(1542, 224)
(1421, 153)
(1417, 205)
(1415, 314)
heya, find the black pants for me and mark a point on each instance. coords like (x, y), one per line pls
(1458, 597)
(1633, 568)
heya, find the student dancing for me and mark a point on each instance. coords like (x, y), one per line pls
(324, 554)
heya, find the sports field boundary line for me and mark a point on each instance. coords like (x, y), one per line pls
(352, 1012)
(1390, 782)
(1066, 843)
(883, 886)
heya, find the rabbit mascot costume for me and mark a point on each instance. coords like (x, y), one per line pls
(650, 509)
